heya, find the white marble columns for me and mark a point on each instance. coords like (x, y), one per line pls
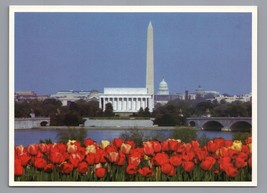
(125, 103)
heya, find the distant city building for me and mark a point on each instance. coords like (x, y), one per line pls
(126, 101)
(199, 94)
(72, 96)
(230, 99)
(29, 95)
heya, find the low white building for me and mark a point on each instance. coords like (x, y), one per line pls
(230, 99)
(71, 96)
(126, 100)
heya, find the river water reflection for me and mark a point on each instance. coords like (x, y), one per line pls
(26, 137)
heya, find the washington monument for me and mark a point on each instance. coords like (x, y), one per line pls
(150, 61)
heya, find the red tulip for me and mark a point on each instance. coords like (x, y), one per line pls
(187, 147)
(134, 158)
(208, 163)
(173, 144)
(40, 163)
(148, 148)
(248, 140)
(181, 148)
(74, 162)
(90, 159)
(82, 168)
(66, 168)
(233, 153)
(125, 148)
(212, 147)
(56, 157)
(113, 156)
(201, 154)
(43, 147)
(176, 160)
(195, 145)
(166, 168)
(48, 168)
(100, 172)
(19, 170)
(188, 166)
(121, 159)
(88, 142)
(243, 156)
(32, 149)
(131, 143)
(240, 163)
(219, 142)
(61, 147)
(131, 169)
(24, 159)
(146, 172)
(223, 152)
(100, 156)
(228, 143)
(111, 148)
(165, 146)
(161, 158)
(19, 150)
(188, 156)
(117, 142)
(156, 146)
(245, 149)
(225, 162)
(231, 171)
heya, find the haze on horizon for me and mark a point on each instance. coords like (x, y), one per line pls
(86, 51)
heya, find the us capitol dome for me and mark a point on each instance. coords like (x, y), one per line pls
(163, 88)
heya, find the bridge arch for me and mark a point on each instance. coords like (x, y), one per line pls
(212, 126)
(192, 123)
(241, 126)
(44, 123)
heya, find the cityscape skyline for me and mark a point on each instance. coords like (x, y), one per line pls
(85, 51)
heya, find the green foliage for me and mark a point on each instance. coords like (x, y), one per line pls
(202, 107)
(143, 113)
(138, 136)
(135, 135)
(72, 134)
(242, 136)
(72, 119)
(186, 134)
(47, 141)
(109, 110)
(203, 140)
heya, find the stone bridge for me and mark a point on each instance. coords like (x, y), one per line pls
(28, 123)
(221, 123)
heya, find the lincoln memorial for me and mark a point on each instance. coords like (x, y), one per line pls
(126, 99)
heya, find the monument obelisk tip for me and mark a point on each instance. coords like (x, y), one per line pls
(150, 24)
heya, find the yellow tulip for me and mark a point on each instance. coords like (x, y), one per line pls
(237, 145)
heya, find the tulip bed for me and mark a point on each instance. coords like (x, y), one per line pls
(169, 160)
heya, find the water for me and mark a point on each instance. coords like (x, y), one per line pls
(26, 137)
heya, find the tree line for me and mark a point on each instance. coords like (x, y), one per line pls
(173, 113)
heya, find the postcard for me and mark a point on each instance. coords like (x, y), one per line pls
(133, 96)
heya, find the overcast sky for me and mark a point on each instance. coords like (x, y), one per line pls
(86, 51)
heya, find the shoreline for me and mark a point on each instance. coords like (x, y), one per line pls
(103, 128)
